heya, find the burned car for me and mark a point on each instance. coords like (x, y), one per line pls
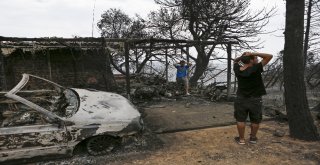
(42, 118)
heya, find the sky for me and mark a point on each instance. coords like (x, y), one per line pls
(69, 18)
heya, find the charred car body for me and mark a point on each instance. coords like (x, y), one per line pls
(54, 119)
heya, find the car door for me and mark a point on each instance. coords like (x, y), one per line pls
(25, 133)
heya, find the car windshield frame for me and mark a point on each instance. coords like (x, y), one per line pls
(25, 79)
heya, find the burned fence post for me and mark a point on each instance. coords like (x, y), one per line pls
(229, 71)
(137, 59)
(166, 53)
(126, 53)
(188, 61)
(150, 55)
(49, 64)
(188, 58)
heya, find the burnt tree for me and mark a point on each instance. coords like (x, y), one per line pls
(115, 23)
(208, 20)
(110, 82)
(300, 120)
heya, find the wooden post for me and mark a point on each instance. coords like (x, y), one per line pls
(151, 57)
(188, 59)
(166, 65)
(150, 66)
(3, 80)
(126, 53)
(229, 71)
(175, 51)
(49, 64)
(235, 80)
(137, 59)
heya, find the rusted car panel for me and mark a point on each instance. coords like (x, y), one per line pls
(71, 117)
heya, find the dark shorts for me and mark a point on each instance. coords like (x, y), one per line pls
(248, 106)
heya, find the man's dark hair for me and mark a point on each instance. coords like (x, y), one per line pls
(246, 59)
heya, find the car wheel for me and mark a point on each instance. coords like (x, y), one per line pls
(100, 145)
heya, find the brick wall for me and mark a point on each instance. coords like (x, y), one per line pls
(70, 68)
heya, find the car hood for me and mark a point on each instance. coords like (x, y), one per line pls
(98, 107)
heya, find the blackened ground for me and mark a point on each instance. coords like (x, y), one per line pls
(133, 146)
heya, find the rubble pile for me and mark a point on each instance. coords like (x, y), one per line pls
(155, 87)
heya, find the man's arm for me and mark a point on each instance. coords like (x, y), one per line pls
(236, 60)
(265, 57)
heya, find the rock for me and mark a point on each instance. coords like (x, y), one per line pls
(132, 91)
(279, 133)
(146, 92)
(269, 111)
(168, 94)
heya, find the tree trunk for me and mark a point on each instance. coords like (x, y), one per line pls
(300, 120)
(109, 77)
(201, 65)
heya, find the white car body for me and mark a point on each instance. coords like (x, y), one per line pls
(89, 113)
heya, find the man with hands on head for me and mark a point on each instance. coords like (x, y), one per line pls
(182, 76)
(248, 69)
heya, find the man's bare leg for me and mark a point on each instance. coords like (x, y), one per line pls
(186, 84)
(241, 126)
(254, 129)
(187, 88)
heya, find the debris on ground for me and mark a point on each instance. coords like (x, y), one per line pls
(279, 133)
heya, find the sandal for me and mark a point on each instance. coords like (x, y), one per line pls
(237, 139)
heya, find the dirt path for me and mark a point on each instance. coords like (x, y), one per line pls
(216, 146)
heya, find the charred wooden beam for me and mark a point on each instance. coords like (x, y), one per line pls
(166, 55)
(229, 71)
(126, 53)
